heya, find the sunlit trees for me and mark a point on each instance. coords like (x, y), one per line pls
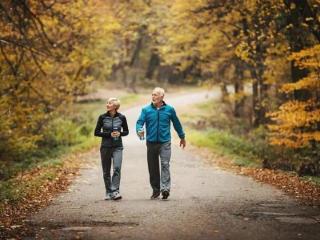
(247, 43)
(48, 49)
(298, 121)
(226, 41)
(131, 50)
(50, 52)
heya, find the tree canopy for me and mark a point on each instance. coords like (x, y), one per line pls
(52, 50)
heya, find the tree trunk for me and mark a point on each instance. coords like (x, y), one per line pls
(224, 91)
(255, 104)
(154, 63)
(132, 85)
(239, 103)
(124, 77)
(238, 89)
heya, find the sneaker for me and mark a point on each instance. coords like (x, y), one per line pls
(155, 195)
(116, 196)
(108, 196)
(165, 195)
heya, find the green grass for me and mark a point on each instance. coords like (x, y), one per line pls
(14, 189)
(217, 134)
(80, 124)
(312, 179)
(94, 108)
(228, 136)
(90, 109)
(240, 151)
(223, 143)
(129, 99)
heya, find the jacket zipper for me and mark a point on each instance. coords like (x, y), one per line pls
(158, 126)
(112, 129)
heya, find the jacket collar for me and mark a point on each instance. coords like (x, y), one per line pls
(109, 115)
(163, 104)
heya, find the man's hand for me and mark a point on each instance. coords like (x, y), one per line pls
(141, 133)
(182, 143)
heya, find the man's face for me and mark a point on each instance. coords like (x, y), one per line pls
(156, 97)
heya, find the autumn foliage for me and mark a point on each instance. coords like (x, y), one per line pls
(268, 51)
(49, 50)
(298, 120)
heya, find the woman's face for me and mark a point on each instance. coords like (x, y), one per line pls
(110, 106)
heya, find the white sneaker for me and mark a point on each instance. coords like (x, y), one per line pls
(116, 196)
(108, 196)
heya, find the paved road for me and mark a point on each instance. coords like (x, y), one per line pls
(205, 203)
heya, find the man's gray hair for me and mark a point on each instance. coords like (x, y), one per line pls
(159, 90)
(115, 102)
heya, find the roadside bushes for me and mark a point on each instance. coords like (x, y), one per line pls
(213, 126)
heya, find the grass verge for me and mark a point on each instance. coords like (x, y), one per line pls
(240, 151)
(32, 183)
(230, 144)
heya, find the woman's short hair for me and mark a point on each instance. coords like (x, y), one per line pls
(159, 90)
(115, 102)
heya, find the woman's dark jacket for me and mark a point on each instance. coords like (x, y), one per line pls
(106, 124)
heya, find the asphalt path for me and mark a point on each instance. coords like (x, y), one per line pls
(205, 202)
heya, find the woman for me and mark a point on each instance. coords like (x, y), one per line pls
(113, 125)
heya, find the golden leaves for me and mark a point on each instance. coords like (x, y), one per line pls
(296, 122)
(243, 52)
(65, 41)
(308, 58)
(310, 82)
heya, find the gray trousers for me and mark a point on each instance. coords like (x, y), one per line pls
(108, 156)
(154, 151)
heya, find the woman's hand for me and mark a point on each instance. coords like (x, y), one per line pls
(115, 134)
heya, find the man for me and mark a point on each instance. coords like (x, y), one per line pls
(157, 117)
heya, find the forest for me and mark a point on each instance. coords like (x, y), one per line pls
(53, 51)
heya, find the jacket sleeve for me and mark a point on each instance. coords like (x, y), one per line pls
(125, 129)
(97, 131)
(177, 125)
(141, 120)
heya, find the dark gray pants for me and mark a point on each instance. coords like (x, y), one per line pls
(108, 156)
(154, 151)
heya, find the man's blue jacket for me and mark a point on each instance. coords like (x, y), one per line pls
(158, 123)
